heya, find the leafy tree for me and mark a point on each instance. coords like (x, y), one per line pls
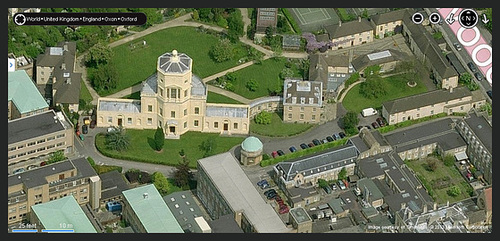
(56, 157)
(322, 183)
(195, 15)
(222, 51)
(449, 160)
(263, 118)
(454, 191)
(252, 85)
(182, 173)
(486, 107)
(350, 120)
(374, 87)
(161, 183)
(98, 54)
(431, 165)
(117, 139)
(159, 138)
(286, 73)
(235, 26)
(342, 174)
(105, 77)
(364, 14)
(465, 78)
(208, 146)
(182, 153)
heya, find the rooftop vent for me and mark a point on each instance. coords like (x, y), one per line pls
(145, 195)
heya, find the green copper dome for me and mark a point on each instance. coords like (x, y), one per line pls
(251, 144)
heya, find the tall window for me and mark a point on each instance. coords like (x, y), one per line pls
(173, 93)
(235, 126)
(161, 111)
(185, 112)
(197, 110)
(150, 108)
(196, 123)
(172, 114)
(216, 124)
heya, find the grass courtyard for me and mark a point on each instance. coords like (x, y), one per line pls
(278, 128)
(213, 97)
(135, 65)
(440, 180)
(267, 75)
(141, 147)
(397, 88)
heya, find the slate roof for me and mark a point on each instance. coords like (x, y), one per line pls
(37, 177)
(112, 184)
(348, 28)
(361, 62)
(422, 131)
(482, 129)
(388, 17)
(425, 99)
(319, 162)
(34, 126)
(300, 92)
(429, 47)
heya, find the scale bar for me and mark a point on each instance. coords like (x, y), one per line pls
(24, 230)
(58, 230)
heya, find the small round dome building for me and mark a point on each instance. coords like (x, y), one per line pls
(251, 151)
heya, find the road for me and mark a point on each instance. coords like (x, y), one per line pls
(86, 148)
(463, 56)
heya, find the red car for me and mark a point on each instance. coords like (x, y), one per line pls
(283, 209)
(380, 121)
(274, 154)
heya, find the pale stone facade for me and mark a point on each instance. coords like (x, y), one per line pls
(174, 99)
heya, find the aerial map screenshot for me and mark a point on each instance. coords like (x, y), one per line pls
(249, 120)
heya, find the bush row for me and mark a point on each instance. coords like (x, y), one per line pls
(291, 20)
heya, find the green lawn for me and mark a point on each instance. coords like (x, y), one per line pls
(267, 76)
(440, 194)
(140, 148)
(135, 65)
(397, 88)
(84, 92)
(213, 97)
(278, 128)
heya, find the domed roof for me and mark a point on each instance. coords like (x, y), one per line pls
(251, 144)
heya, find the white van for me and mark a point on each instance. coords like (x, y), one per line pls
(368, 112)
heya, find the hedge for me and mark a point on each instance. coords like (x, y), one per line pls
(291, 20)
(388, 128)
(304, 152)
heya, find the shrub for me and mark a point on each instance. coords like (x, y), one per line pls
(454, 191)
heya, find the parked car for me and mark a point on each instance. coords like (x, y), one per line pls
(85, 129)
(369, 127)
(380, 121)
(284, 209)
(263, 184)
(17, 171)
(489, 93)
(274, 154)
(280, 152)
(92, 124)
(457, 46)
(472, 67)
(478, 76)
(86, 120)
(337, 136)
(316, 142)
(327, 189)
(269, 191)
(329, 139)
(310, 144)
(341, 185)
(324, 141)
(334, 138)
(375, 125)
(304, 146)
(342, 134)
(271, 195)
(292, 149)
(334, 187)
(31, 167)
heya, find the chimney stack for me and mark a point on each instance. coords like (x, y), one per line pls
(435, 206)
(359, 19)
(425, 209)
(340, 23)
(403, 205)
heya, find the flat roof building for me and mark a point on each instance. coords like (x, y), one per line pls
(23, 97)
(223, 188)
(63, 213)
(147, 212)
